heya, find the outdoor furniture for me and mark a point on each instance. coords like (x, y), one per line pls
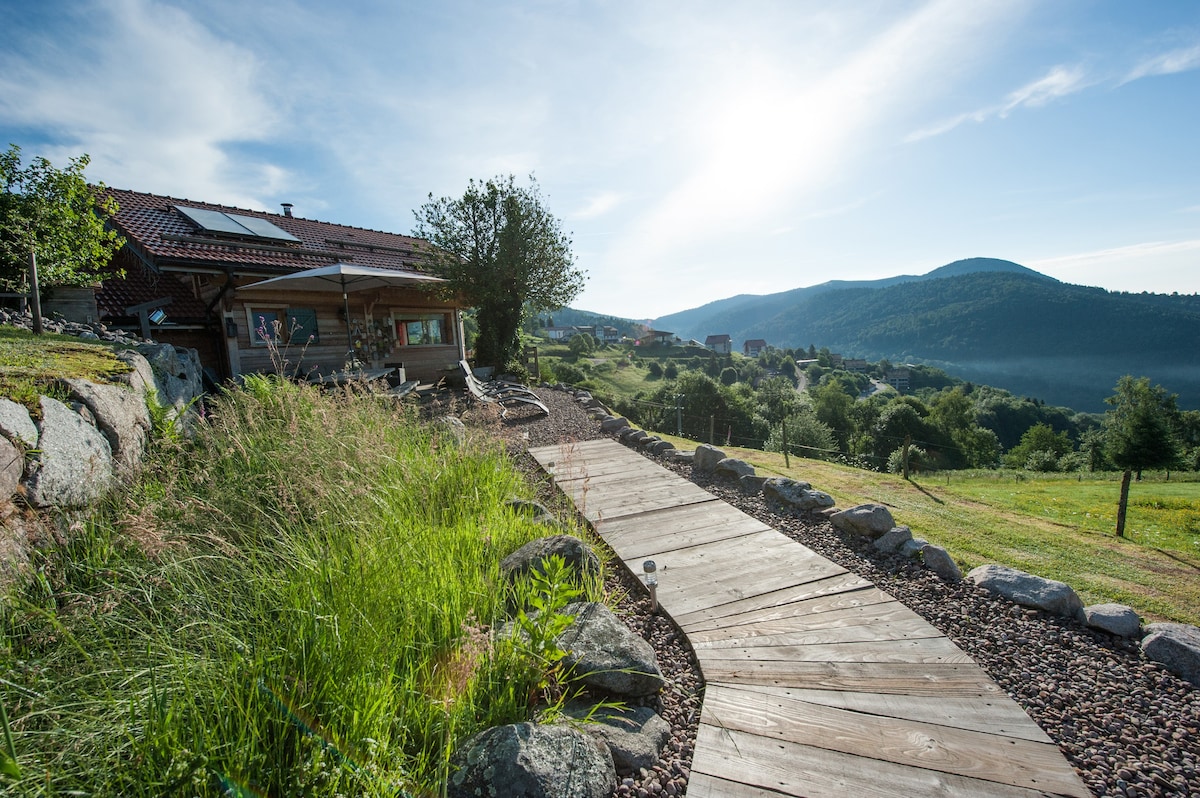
(338, 378)
(503, 395)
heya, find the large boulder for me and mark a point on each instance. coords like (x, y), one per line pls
(577, 554)
(896, 537)
(73, 465)
(941, 563)
(604, 655)
(121, 416)
(707, 457)
(1116, 619)
(174, 373)
(1028, 590)
(12, 468)
(868, 520)
(733, 467)
(527, 760)
(614, 424)
(16, 425)
(1176, 646)
(636, 736)
(796, 494)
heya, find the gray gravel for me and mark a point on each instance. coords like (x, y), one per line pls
(1129, 727)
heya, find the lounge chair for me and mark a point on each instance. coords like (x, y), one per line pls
(504, 394)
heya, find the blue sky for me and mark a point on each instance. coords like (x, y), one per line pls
(693, 150)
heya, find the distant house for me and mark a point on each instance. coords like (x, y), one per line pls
(656, 337)
(561, 333)
(856, 364)
(609, 335)
(753, 346)
(835, 360)
(191, 268)
(721, 344)
(898, 379)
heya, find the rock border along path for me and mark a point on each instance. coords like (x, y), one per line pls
(817, 682)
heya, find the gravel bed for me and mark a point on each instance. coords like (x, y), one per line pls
(1128, 726)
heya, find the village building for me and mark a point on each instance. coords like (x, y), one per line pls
(721, 344)
(753, 347)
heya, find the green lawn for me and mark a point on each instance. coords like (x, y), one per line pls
(1060, 527)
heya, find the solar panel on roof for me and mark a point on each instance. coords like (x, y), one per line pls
(263, 228)
(234, 224)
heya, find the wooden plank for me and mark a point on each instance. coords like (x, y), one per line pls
(927, 650)
(880, 677)
(909, 630)
(834, 585)
(616, 501)
(702, 785)
(765, 767)
(997, 715)
(823, 612)
(671, 528)
(894, 621)
(991, 758)
(855, 597)
(699, 588)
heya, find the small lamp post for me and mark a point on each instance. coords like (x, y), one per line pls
(650, 571)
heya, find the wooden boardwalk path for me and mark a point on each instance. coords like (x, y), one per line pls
(818, 683)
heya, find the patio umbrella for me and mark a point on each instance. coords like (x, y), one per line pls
(346, 277)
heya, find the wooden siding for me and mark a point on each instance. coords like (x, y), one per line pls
(425, 363)
(817, 683)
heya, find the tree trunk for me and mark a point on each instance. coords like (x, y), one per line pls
(1124, 504)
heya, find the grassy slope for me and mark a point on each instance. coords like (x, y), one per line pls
(296, 602)
(1057, 528)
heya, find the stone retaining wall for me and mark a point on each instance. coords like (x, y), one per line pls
(72, 449)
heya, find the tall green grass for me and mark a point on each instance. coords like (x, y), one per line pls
(298, 601)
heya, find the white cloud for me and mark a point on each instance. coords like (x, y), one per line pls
(1058, 82)
(147, 91)
(1169, 63)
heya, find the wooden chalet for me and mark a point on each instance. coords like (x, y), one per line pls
(190, 267)
(721, 344)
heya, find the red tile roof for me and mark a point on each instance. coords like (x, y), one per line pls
(141, 285)
(163, 236)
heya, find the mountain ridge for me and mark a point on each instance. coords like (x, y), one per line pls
(982, 319)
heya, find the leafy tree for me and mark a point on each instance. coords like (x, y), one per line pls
(671, 371)
(806, 435)
(1139, 432)
(898, 423)
(729, 375)
(778, 399)
(834, 408)
(503, 252)
(582, 344)
(59, 216)
(1031, 452)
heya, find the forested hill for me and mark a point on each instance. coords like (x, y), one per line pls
(1012, 328)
